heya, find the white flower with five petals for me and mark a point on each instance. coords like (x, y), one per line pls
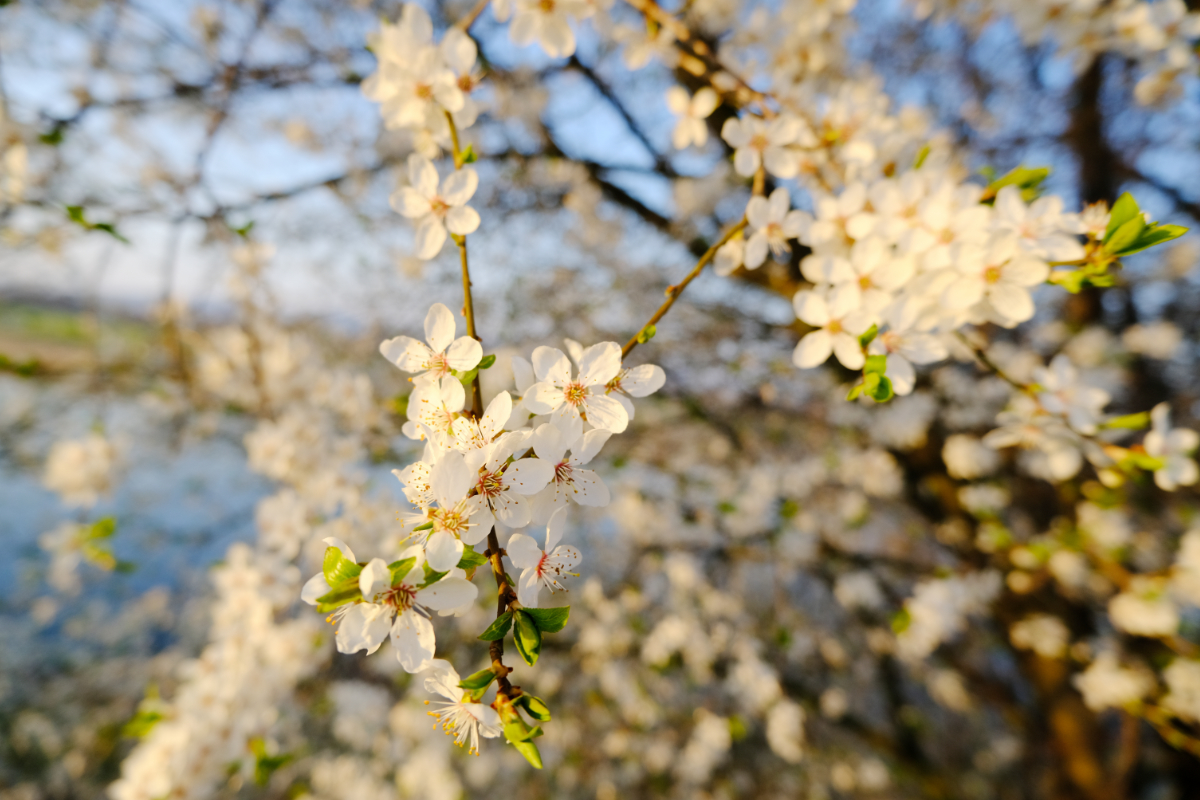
(443, 352)
(435, 209)
(460, 717)
(839, 319)
(773, 224)
(567, 397)
(542, 567)
(570, 483)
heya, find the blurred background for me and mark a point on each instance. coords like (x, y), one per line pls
(196, 247)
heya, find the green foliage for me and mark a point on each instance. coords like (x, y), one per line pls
(497, 629)
(1129, 232)
(264, 764)
(549, 620)
(26, 369)
(478, 681)
(1027, 179)
(527, 637)
(868, 337)
(487, 361)
(900, 621)
(646, 334)
(470, 559)
(922, 154)
(337, 568)
(76, 214)
(400, 569)
(535, 707)
(432, 576)
(1134, 422)
(339, 595)
(468, 155)
(875, 384)
(142, 723)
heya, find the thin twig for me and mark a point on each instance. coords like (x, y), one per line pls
(673, 292)
(987, 362)
(466, 22)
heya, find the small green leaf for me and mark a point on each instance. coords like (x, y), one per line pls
(517, 731)
(468, 155)
(876, 365)
(424, 526)
(1125, 209)
(142, 723)
(855, 392)
(470, 559)
(55, 136)
(549, 620)
(337, 568)
(102, 528)
(431, 576)
(1134, 422)
(1126, 235)
(646, 334)
(339, 595)
(901, 620)
(1027, 179)
(468, 377)
(479, 680)
(922, 154)
(497, 629)
(1153, 235)
(869, 336)
(530, 751)
(534, 707)
(76, 214)
(265, 765)
(527, 637)
(487, 361)
(883, 390)
(400, 569)
(243, 231)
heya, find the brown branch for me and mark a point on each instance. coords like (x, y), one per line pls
(673, 292)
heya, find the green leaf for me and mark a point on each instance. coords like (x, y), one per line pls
(424, 526)
(55, 136)
(337, 568)
(922, 154)
(400, 569)
(497, 629)
(470, 559)
(1133, 422)
(527, 637)
(339, 595)
(855, 392)
(1027, 179)
(243, 231)
(76, 214)
(869, 336)
(468, 377)
(883, 391)
(549, 620)
(1126, 235)
(468, 155)
(487, 361)
(1125, 209)
(265, 765)
(530, 751)
(142, 723)
(479, 680)
(431, 575)
(646, 334)
(534, 707)
(901, 620)
(876, 365)
(102, 528)
(517, 731)
(1153, 235)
